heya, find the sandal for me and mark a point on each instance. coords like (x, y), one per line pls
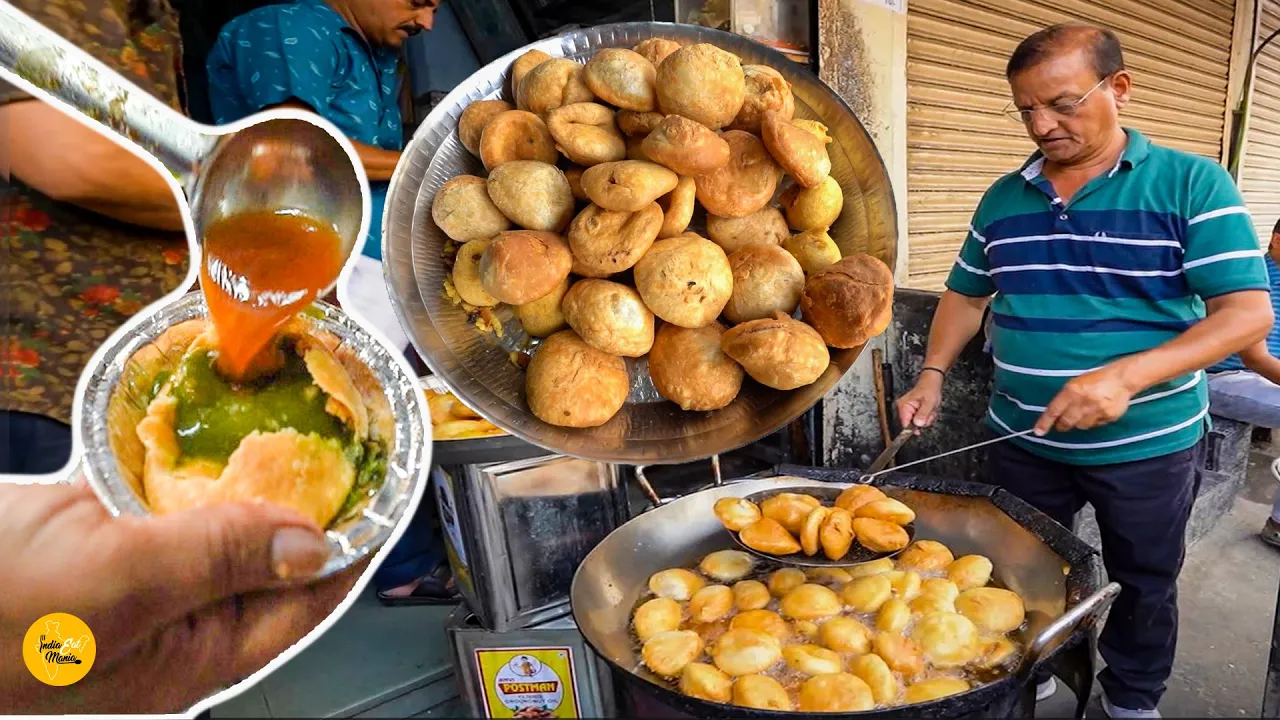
(438, 588)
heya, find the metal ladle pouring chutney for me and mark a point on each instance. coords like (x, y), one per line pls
(276, 160)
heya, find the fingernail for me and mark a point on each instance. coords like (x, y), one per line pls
(297, 552)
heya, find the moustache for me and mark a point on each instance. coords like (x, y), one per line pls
(411, 30)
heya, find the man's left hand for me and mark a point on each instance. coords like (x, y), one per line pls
(1087, 401)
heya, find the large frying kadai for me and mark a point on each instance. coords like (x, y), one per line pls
(1058, 576)
(648, 430)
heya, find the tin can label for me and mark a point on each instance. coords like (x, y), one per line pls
(528, 682)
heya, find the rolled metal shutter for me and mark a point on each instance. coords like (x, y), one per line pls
(1260, 169)
(959, 142)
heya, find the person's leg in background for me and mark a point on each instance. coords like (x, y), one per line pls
(1045, 485)
(33, 444)
(1142, 508)
(1249, 398)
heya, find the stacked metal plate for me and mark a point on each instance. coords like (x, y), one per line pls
(477, 366)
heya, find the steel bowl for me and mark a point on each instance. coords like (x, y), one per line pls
(648, 429)
(114, 388)
(1057, 574)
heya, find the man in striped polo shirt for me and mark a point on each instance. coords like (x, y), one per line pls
(1246, 387)
(1115, 271)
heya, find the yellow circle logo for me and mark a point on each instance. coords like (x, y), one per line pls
(59, 649)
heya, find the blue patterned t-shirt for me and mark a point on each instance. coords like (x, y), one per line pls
(306, 51)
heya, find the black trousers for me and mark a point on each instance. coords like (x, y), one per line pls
(1142, 509)
(32, 444)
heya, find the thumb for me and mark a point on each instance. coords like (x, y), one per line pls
(186, 560)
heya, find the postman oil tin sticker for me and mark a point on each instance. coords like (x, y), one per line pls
(528, 682)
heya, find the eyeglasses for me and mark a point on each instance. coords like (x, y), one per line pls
(1063, 109)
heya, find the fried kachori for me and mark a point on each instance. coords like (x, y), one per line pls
(766, 280)
(543, 317)
(811, 602)
(655, 50)
(535, 195)
(605, 242)
(768, 536)
(855, 496)
(837, 692)
(520, 266)
(765, 621)
(784, 580)
(743, 185)
(522, 66)
(736, 513)
(609, 316)
(765, 226)
(873, 671)
(641, 124)
(688, 368)
(761, 692)
(765, 90)
(867, 594)
(924, 555)
(703, 83)
(516, 135)
(813, 249)
(667, 653)
(789, 509)
(745, 652)
(874, 567)
(552, 84)
(894, 616)
(706, 682)
(677, 208)
(900, 653)
(946, 639)
(623, 78)
(812, 659)
(685, 280)
(844, 634)
(880, 535)
(676, 584)
(836, 534)
(710, 604)
(727, 565)
(686, 147)
(799, 152)
(475, 118)
(994, 610)
(570, 384)
(466, 274)
(586, 134)
(812, 208)
(970, 571)
(750, 595)
(849, 302)
(887, 509)
(463, 210)
(627, 185)
(810, 542)
(779, 352)
(657, 616)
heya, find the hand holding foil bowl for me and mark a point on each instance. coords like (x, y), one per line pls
(338, 432)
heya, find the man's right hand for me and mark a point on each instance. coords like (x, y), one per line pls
(919, 406)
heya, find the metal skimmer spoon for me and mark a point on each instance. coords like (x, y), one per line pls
(878, 467)
(278, 160)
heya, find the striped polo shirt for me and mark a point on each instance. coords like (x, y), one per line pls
(1123, 267)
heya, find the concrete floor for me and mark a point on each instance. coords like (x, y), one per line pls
(1227, 599)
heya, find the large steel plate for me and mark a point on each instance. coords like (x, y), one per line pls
(477, 367)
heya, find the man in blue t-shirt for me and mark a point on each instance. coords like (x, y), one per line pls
(339, 59)
(1246, 387)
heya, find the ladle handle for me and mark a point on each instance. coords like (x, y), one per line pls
(656, 500)
(40, 61)
(1057, 632)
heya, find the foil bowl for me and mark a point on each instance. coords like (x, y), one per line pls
(477, 366)
(116, 388)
